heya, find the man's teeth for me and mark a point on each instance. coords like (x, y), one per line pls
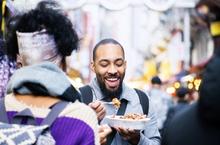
(112, 79)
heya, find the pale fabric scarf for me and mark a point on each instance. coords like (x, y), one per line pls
(35, 47)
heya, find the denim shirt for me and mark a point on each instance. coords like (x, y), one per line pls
(151, 134)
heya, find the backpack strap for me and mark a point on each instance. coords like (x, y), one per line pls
(27, 114)
(3, 113)
(55, 111)
(121, 111)
(53, 114)
(86, 93)
(48, 120)
(143, 100)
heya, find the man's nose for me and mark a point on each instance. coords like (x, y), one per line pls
(112, 69)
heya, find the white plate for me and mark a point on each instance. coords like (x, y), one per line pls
(126, 123)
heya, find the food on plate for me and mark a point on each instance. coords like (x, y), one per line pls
(131, 121)
(133, 116)
(116, 102)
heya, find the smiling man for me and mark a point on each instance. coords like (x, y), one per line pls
(109, 65)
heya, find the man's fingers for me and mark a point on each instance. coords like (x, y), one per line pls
(100, 111)
(96, 104)
(101, 115)
(108, 129)
(104, 130)
(100, 108)
(123, 131)
(103, 141)
(102, 136)
(126, 133)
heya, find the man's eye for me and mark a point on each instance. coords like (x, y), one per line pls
(119, 63)
(104, 64)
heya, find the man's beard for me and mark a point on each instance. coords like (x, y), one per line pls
(108, 94)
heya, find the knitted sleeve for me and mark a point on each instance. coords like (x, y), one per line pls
(85, 114)
(77, 124)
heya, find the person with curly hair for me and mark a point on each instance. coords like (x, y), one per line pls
(76, 124)
(41, 34)
(45, 34)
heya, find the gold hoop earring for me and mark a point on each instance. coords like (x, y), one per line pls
(19, 65)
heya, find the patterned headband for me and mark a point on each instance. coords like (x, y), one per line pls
(35, 47)
(36, 39)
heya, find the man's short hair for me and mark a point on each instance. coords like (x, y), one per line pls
(103, 42)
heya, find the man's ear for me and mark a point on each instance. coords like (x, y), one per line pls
(125, 63)
(92, 66)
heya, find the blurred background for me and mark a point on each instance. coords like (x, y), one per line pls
(161, 37)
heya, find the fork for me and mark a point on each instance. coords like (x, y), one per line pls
(111, 103)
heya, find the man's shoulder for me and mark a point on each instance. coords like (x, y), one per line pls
(141, 92)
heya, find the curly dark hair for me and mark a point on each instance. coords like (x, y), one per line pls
(44, 16)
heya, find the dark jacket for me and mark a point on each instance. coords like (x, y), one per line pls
(200, 123)
(188, 128)
(181, 105)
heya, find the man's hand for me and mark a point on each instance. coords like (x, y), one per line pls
(99, 108)
(104, 131)
(132, 136)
